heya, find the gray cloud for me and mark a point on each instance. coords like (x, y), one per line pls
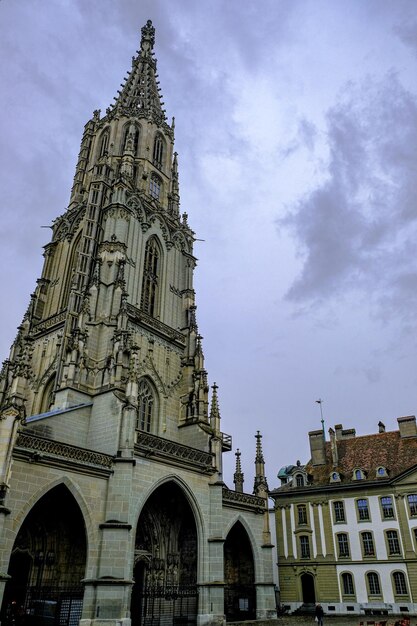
(357, 230)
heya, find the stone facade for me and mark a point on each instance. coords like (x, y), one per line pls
(113, 507)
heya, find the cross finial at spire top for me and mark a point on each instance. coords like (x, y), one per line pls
(148, 37)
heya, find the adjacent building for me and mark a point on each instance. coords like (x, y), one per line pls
(347, 522)
(113, 507)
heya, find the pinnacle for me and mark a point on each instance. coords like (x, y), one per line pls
(140, 95)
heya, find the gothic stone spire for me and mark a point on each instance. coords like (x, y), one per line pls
(238, 475)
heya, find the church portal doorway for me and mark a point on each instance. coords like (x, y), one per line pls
(307, 586)
(239, 576)
(165, 571)
(47, 565)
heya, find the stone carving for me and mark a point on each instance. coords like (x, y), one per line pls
(234, 498)
(63, 450)
(151, 444)
(167, 332)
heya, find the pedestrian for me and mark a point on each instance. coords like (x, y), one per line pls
(319, 614)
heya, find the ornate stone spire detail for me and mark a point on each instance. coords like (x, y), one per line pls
(140, 94)
(238, 475)
(214, 410)
(260, 487)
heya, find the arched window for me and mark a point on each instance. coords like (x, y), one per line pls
(368, 544)
(150, 283)
(158, 152)
(343, 545)
(48, 395)
(299, 479)
(400, 585)
(347, 584)
(155, 186)
(131, 132)
(374, 588)
(104, 144)
(146, 404)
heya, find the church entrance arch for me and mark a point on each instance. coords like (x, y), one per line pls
(165, 570)
(307, 587)
(239, 576)
(47, 564)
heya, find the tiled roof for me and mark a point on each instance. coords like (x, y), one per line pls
(388, 449)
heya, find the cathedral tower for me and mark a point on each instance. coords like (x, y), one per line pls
(104, 407)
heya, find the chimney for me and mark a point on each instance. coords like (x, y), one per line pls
(317, 447)
(349, 433)
(333, 446)
(338, 428)
(381, 427)
(407, 426)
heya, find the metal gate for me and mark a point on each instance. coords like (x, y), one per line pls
(45, 606)
(168, 605)
(239, 602)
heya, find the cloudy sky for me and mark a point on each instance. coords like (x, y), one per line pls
(296, 127)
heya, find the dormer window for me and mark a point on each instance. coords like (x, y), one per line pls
(335, 477)
(358, 474)
(299, 480)
(381, 472)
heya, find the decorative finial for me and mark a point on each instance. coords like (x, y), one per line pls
(238, 475)
(148, 38)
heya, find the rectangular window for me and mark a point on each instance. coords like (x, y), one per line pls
(339, 511)
(302, 514)
(387, 507)
(363, 509)
(393, 542)
(368, 544)
(412, 504)
(343, 544)
(305, 547)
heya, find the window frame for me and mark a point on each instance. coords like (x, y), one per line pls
(412, 507)
(383, 508)
(376, 594)
(405, 596)
(390, 540)
(336, 513)
(369, 539)
(146, 413)
(155, 187)
(158, 152)
(350, 597)
(305, 548)
(360, 511)
(151, 277)
(302, 515)
(346, 546)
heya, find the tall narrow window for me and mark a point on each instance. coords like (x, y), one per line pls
(302, 514)
(343, 544)
(339, 511)
(412, 504)
(374, 587)
(400, 585)
(145, 406)
(305, 546)
(363, 509)
(347, 583)
(393, 542)
(150, 282)
(387, 507)
(299, 480)
(155, 186)
(158, 152)
(104, 143)
(368, 544)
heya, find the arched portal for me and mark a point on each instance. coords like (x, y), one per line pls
(307, 587)
(165, 570)
(239, 576)
(47, 564)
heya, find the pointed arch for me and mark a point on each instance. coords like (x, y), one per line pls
(48, 395)
(155, 186)
(151, 282)
(239, 575)
(148, 404)
(103, 143)
(158, 155)
(71, 267)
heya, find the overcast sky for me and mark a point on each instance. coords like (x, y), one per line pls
(296, 128)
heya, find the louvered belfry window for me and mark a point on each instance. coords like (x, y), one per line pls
(150, 282)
